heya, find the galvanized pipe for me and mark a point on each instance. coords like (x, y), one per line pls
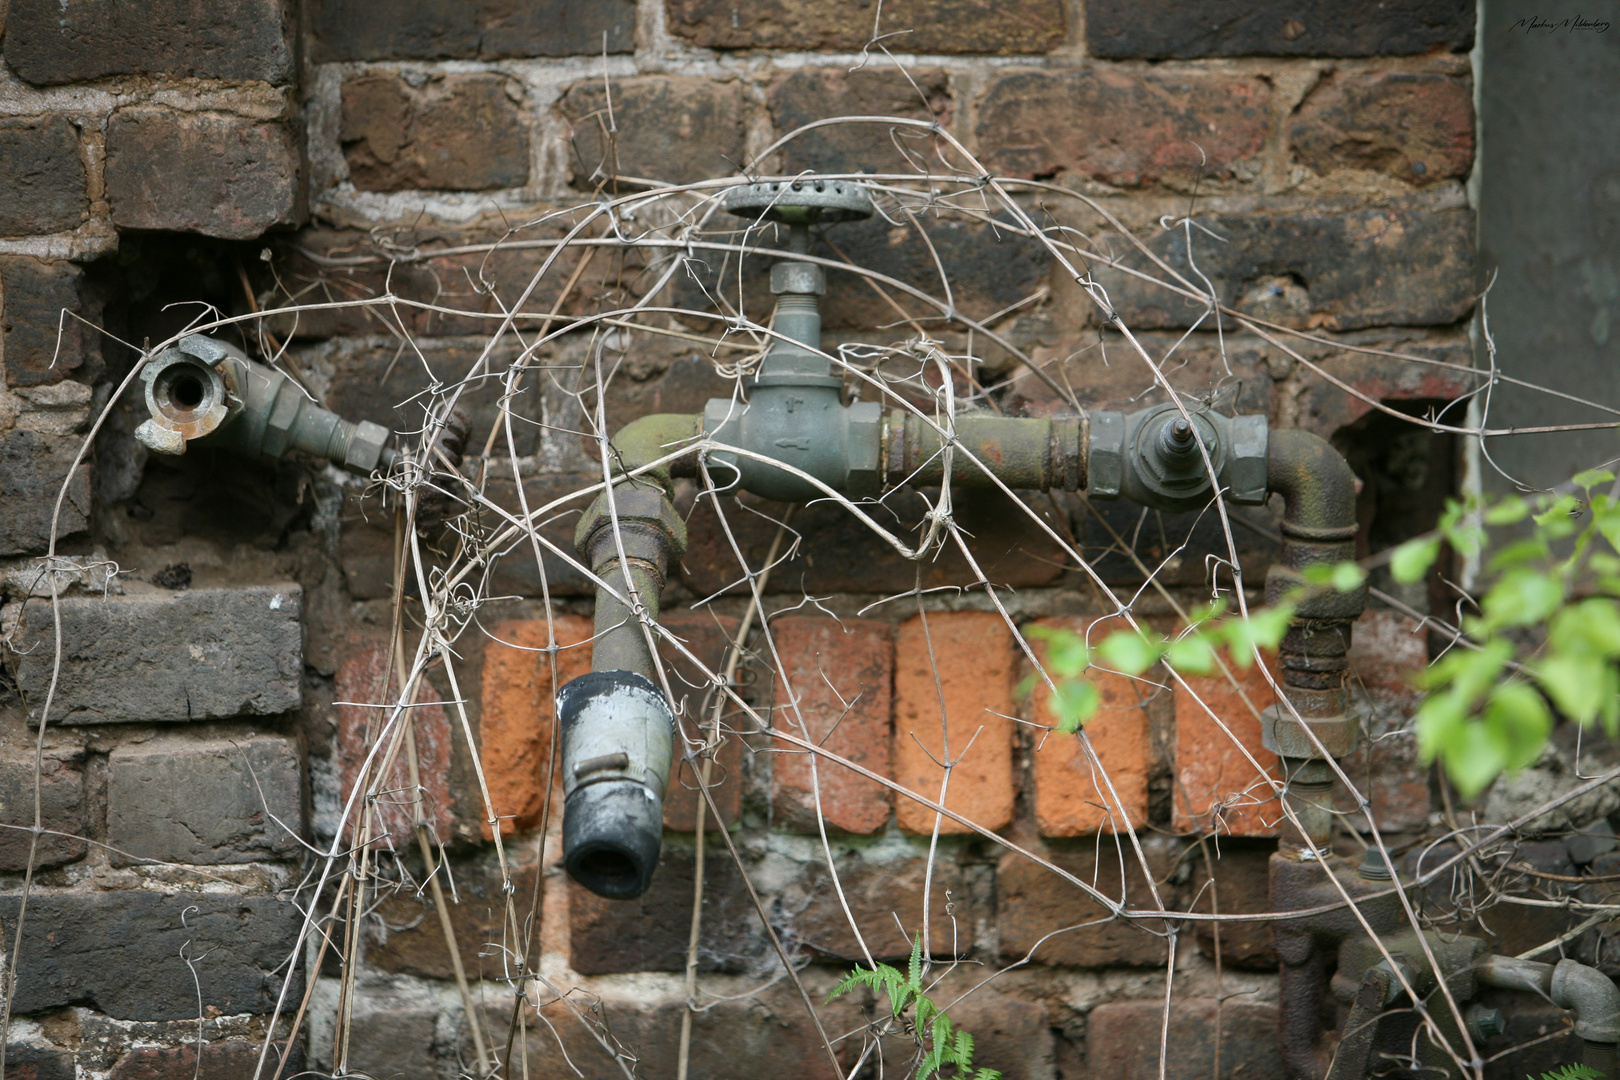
(208, 392)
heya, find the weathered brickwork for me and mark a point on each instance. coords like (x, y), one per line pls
(228, 677)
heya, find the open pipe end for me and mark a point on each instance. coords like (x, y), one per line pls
(612, 833)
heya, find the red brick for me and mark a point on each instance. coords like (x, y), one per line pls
(220, 1061)
(62, 810)
(674, 129)
(1010, 1034)
(1123, 128)
(1170, 29)
(454, 132)
(1325, 408)
(810, 94)
(43, 173)
(766, 1034)
(1040, 911)
(925, 26)
(1215, 785)
(407, 938)
(651, 932)
(1242, 871)
(974, 662)
(708, 637)
(1334, 271)
(366, 544)
(886, 900)
(470, 29)
(1124, 1039)
(841, 673)
(39, 345)
(360, 688)
(519, 702)
(445, 280)
(1418, 127)
(1068, 799)
(201, 172)
(238, 40)
(1386, 650)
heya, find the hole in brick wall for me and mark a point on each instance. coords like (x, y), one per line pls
(1407, 473)
(159, 283)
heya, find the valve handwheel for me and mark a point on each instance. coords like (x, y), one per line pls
(801, 202)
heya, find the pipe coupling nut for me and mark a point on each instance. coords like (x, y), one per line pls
(798, 277)
(1286, 737)
(187, 395)
(642, 512)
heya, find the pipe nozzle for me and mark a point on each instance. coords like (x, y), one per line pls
(617, 740)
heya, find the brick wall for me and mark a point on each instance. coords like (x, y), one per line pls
(249, 153)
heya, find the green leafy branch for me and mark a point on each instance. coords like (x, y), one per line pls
(1553, 599)
(1194, 651)
(942, 1045)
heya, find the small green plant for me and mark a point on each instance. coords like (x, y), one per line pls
(1191, 652)
(1572, 1071)
(1547, 632)
(939, 1043)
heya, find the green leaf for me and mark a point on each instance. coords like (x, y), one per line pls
(1518, 720)
(1130, 651)
(1191, 654)
(1509, 511)
(1473, 759)
(1558, 520)
(1522, 597)
(1066, 652)
(1591, 478)
(1412, 559)
(1263, 629)
(1576, 685)
(1074, 703)
(1347, 577)
(1520, 552)
(1589, 626)
(1440, 720)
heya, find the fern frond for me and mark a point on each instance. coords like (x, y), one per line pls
(916, 962)
(987, 1074)
(1575, 1070)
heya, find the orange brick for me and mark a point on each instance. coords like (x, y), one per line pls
(841, 674)
(361, 721)
(1068, 799)
(1211, 772)
(707, 637)
(975, 659)
(519, 706)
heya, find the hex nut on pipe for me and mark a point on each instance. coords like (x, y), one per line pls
(798, 277)
(1282, 734)
(1105, 467)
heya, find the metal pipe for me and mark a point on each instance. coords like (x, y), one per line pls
(1511, 973)
(208, 392)
(618, 731)
(1592, 1000)
(1589, 995)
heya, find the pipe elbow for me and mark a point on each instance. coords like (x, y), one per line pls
(655, 436)
(1317, 486)
(1591, 998)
